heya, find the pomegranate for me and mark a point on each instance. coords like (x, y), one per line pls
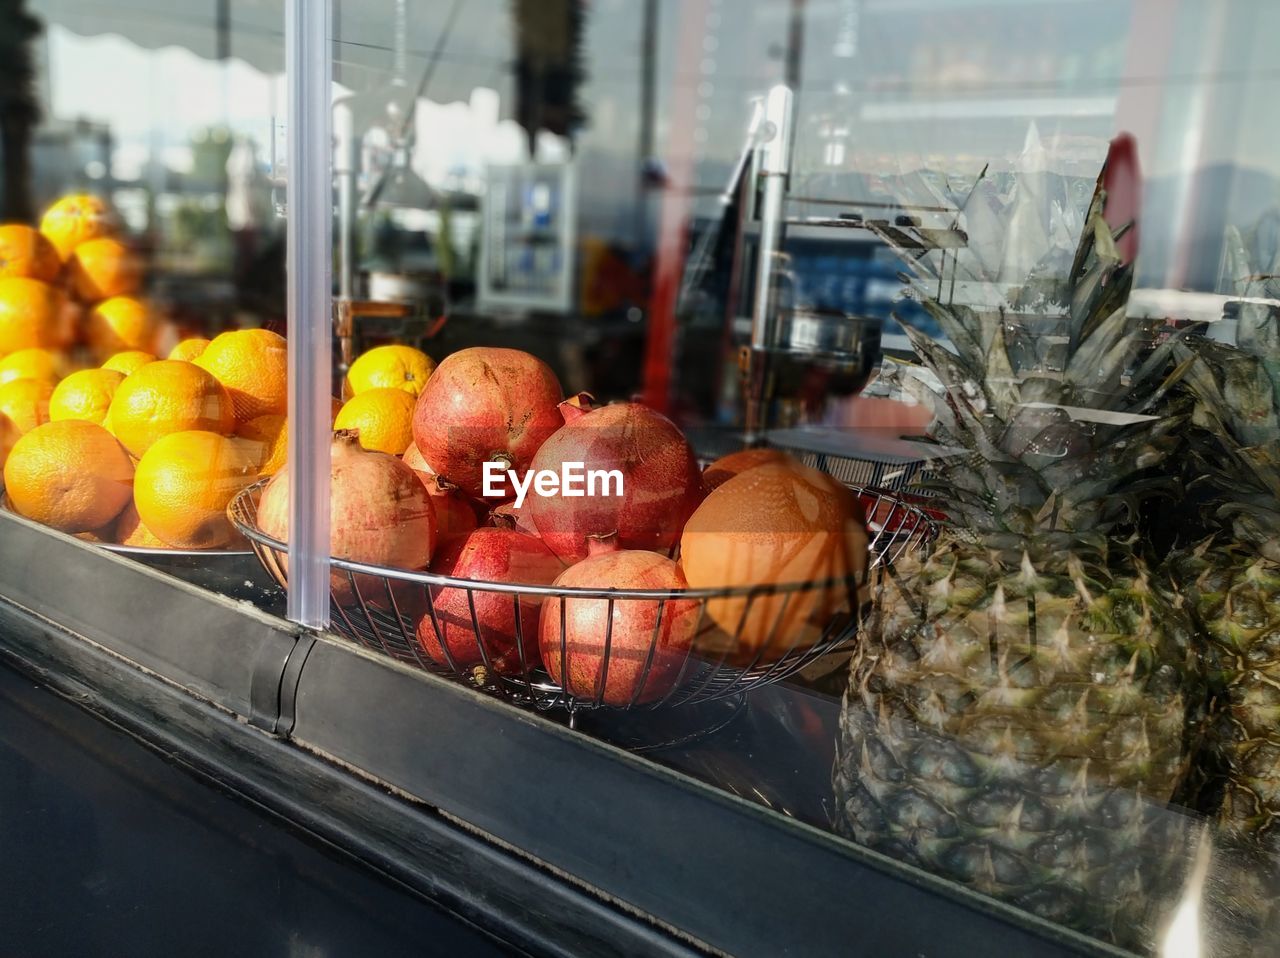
(489, 555)
(776, 524)
(454, 513)
(510, 516)
(379, 513)
(726, 467)
(486, 405)
(648, 642)
(661, 484)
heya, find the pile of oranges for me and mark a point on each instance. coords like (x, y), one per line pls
(135, 449)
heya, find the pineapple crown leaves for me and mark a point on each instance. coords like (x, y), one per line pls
(1041, 395)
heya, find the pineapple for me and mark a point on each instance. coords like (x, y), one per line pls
(1233, 580)
(1021, 706)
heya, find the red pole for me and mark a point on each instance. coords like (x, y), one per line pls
(677, 198)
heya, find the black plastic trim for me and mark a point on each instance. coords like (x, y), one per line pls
(223, 651)
(408, 843)
(727, 873)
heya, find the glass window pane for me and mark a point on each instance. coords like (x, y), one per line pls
(143, 344)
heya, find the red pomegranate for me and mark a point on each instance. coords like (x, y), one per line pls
(648, 643)
(485, 405)
(509, 516)
(488, 555)
(379, 513)
(455, 515)
(660, 480)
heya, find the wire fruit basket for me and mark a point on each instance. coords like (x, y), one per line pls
(416, 617)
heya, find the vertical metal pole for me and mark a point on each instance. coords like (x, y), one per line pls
(308, 66)
(775, 164)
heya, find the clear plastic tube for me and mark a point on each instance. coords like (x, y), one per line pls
(308, 66)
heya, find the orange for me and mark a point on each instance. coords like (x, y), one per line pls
(268, 438)
(9, 434)
(26, 252)
(130, 531)
(390, 367)
(26, 402)
(726, 467)
(34, 363)
(165, 397)
(33, 313)
(104, 534)
(129, 362)
(184, 484)
(189, 349)
(777, 523)
(102, 268)
(121, 324)
(71, 475)
(85, 395)
(383, 417)
(253, 365)
(74, 219)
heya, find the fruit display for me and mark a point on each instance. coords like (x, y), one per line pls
(383, 418)
(379, 511)
(81, 385)
(503, 633)
(780, 523)
(455, 513)
(486, 405)
(625, 651)
(1233, 581)
(653, 485)
(71, 475)
(389, 367)
(1024, 700)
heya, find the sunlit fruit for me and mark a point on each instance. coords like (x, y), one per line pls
(35, 363)
(253, 365)
(504, 631)
(24, 251)
(390, 367)
(268, 437)
(188, 349)
(621, 651)
(129, 362)
(640, 481)
(75, 219)
(26, 402)
(33, 313)
(130, 531)
(86, 395)
(70, 475)
(120, 324)
(379, 513)
(775, 525)
(726, 467)
(102, 268)
(383, 417)
(9, 434)
(483, 405)
(455, 515)
(165, 397)
(184, 483)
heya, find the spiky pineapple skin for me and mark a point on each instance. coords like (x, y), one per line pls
(1236, 595)
(1019, 727)
(1235, 601)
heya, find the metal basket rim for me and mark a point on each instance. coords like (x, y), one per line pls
(122, 549)
(249, 529)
